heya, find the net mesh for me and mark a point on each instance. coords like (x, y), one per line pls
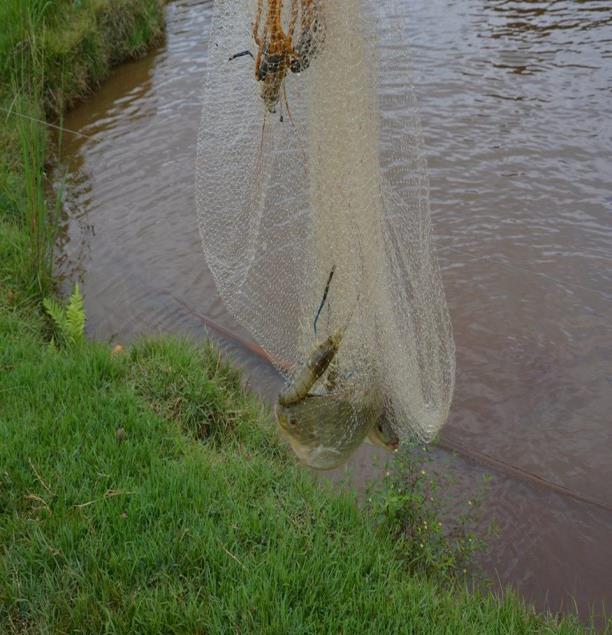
(323, 171)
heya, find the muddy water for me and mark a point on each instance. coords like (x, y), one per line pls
(516, 101)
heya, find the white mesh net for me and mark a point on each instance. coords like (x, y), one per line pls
(333, 179)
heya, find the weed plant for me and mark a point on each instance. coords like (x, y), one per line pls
(415, 504)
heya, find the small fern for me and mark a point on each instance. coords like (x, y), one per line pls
(57, 314)
(75, 317)
(69, 321)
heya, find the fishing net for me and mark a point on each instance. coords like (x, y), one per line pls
(319, 181)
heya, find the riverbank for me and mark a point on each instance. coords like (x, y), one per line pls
(145, 491)
(53, 54)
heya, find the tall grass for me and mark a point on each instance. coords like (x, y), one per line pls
(22, 52)
(52, 53)
(23, 71)
(39, 222)
(81, 40)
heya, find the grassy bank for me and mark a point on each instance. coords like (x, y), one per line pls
(191, 518)
(63, 49)
(52, 54)
(144, 492)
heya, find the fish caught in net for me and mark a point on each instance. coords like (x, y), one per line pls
(313, 208)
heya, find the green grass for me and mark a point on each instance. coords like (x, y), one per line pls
(53, 53)
(195, 519)
(145, 492)
(70, 45)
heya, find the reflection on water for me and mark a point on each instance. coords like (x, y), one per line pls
(516, 100)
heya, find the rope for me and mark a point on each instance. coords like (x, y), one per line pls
(46, 123)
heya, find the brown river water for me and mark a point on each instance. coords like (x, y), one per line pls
(516, 102)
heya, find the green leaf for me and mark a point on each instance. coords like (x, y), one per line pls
(58, 316)
(69, 322)
(75, 317)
